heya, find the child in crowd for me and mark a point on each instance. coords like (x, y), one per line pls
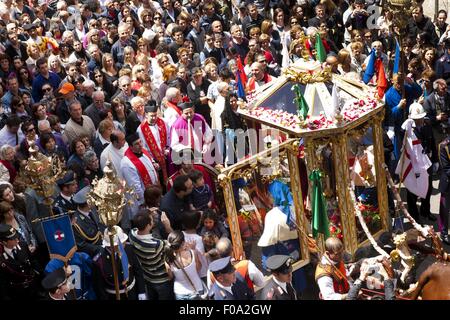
(190, 221)
(201, 196)
(212, 224)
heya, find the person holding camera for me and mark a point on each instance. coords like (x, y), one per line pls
(358, 18)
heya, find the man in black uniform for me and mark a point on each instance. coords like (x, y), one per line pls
(444, 185)
(279, 287)
(18, 273)
(68, 186)
(56, 285)
(87, 227)
(132, 288)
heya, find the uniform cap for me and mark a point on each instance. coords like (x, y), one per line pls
(7, 232)
(54, 279)
(81, 196)
(221, 266)
(279, 263)
(68, 178)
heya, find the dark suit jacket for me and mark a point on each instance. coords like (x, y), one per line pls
(272, 291)
(132, 123)
(430, 107)
(89, 227)
(12, 52)
(99, 147)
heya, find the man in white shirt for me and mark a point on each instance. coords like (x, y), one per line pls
(114, 151)
(10, 133)
(172, 111)
(138, 170)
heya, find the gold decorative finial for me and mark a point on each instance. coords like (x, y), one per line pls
(109, 195)
(41, 173)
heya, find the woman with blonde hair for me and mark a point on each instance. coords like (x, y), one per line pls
(92, 37)
(345, 66)
(129, 56)
(54, 65)
(109, 69)
(143, 48)
(157, 66)
(137, 76)
(357, 56)
(296, 50)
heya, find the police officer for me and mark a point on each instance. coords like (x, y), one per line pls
(56, 285)
(80, 276)
(229, 284)
(68, 186)
(444, 185)
(279, 287)
(18, 273)
(132, 288)
(443, 64)
(87, 227)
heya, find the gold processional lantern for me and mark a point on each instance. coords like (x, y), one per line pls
(41, 173)
(109, 196)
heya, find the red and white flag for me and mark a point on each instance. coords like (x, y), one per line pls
(413, 162)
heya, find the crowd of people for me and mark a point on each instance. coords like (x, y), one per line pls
(149, 86)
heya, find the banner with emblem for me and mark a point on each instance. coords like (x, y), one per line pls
(59, 237)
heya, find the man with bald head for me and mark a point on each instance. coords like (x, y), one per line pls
(332, 62)
(246, 268)
(98, 105)
(259, 76)
(114, 151)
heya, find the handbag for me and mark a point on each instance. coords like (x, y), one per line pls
(204, 295)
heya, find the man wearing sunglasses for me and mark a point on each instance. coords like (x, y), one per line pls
(279, 287)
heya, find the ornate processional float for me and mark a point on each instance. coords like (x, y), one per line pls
(316, 122)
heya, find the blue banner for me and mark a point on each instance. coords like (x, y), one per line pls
(59, 237)
(397, 58)
(370, 68)
(124, 261)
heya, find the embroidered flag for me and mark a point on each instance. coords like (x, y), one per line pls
(59, 237)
